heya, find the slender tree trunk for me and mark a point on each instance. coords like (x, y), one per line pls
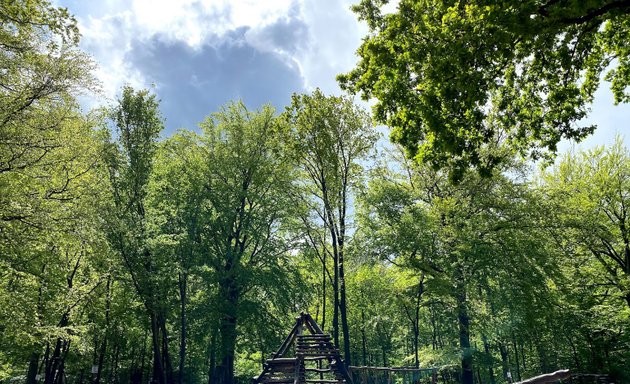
(505, 364)
(138, 378)
(324, 290)
(343, 309)
(158, 368)
(341, 240)
(516, 358)
(55, 361)
(34, 360)
(166, 356)
(464, 328)
(363, 342)
(335, 320)
(101, 356)
(334, 239)
(182, 345)
(33, 364)
(416, 322)
(212, 358)
(486, 348)
(44, 363)
(434, 342)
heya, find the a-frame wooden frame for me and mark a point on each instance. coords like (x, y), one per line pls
(310, 344)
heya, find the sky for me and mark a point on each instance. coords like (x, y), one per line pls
(200, 54)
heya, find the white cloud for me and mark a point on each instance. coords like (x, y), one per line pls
(109, 27)
(336, 35)
(322, 45)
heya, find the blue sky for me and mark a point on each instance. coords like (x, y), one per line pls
(200, 54)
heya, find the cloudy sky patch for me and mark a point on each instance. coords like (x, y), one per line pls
(200, 54)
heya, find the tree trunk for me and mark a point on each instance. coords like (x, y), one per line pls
(505, 364)
(343, 309)
(363, 337)
(416, 321)
(158, 368)
(486, 348)
(464, 329)
(56, 360)
(212, 359)
(516, 358)
(182, 344)
(324, 291)
(33, 364)
(101, 356)
(166, 356)
(335, 320)
(229, 296)
(434, 342)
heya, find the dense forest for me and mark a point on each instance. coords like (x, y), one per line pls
(131, 257)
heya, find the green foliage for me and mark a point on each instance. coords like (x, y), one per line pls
(467, 84)
(184, 259)
(51, 253)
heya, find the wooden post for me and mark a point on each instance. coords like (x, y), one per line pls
(434, 376)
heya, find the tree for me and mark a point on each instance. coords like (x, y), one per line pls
(49, 189)
(332, 136)
(590, 191)
(464, 242)
(174, 222)
(138, 123)
(455, 80)
(249, 178)
(42, 73)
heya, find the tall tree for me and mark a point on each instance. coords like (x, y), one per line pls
(458, 235)
(138, 124)
(249, 177)
(590, 191)
(49, 182)
(435, 67)
(175, 193)
(332, 137)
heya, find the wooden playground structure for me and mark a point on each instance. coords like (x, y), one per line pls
(308, 356)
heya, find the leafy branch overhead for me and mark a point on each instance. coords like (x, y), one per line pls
(468, 84)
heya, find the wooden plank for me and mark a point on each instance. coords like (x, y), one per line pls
(315, 358)
(287, 380)
(281, 360)
(318, 370)
(562, 374)
(393, 369)
(285, 344)
(313, 324)
(315, 336)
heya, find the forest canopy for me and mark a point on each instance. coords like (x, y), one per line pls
(468, 84)
(128, 255)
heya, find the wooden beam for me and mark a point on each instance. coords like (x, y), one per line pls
(562, 374)
(391, 369)
(287, 342)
